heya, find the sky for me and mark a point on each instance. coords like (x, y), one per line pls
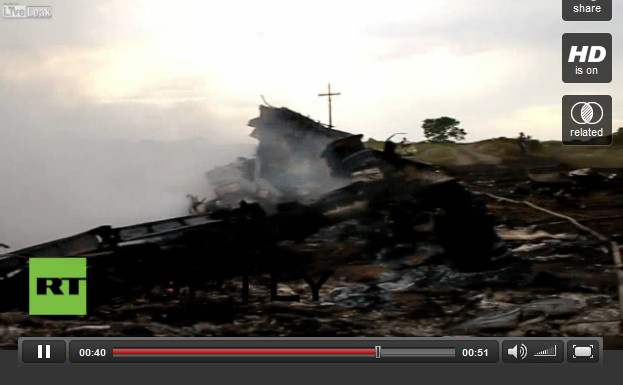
(82, 91)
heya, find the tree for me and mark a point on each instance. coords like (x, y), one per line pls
(442, 129)
(617, 137)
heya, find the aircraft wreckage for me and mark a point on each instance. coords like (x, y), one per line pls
(304, 177)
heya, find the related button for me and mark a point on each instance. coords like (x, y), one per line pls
(50, 351)
(529, 351)
(587, 10)
(583, 351)
(587, 58)
(587, 120)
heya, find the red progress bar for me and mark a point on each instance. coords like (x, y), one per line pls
(243, 351)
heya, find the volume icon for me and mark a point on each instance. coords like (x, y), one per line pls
(523, 351)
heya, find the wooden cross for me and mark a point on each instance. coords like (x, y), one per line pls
(329, 94)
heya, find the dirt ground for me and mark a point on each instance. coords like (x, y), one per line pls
(555, 280)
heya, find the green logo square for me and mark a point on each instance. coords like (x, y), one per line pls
(58, 286)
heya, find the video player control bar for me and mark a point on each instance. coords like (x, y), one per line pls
(449, 350)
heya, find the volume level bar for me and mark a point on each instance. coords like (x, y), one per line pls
(130, 352)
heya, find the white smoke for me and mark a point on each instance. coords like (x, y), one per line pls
(59, 187)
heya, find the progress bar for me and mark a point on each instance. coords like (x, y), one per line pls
(253, 352)
(377, 352)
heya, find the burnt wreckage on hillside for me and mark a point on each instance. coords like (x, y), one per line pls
(306, 176)
(288, 165)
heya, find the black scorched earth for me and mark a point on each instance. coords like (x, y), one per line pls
(320, 236)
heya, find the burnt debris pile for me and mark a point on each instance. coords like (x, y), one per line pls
(319, 235)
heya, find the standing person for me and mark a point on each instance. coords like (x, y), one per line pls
(523, 143)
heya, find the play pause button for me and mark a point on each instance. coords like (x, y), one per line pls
(40, 351)
(51, 351)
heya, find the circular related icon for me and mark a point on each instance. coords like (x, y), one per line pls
(586, 113)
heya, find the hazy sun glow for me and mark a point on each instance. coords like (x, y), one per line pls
(219, 50)
(395, 64)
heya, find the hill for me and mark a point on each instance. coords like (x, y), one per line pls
(506, 150)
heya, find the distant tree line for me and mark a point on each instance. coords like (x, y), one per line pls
(446, 129)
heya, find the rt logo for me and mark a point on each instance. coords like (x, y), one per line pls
(58, 286)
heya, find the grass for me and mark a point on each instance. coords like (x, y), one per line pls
(440, 153)
(507, 149)
(585, 156)
(503, 147)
